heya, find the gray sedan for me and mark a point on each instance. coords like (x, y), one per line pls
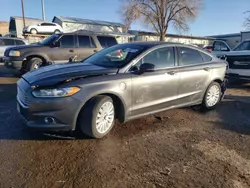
(122, 82)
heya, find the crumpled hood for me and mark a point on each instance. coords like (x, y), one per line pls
(53, 74)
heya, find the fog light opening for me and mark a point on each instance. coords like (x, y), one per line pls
(49, 120)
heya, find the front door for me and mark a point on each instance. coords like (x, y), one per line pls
(194, 71)
(64, 49)
(157, 90)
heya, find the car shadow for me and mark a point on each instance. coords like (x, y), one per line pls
(233, 114)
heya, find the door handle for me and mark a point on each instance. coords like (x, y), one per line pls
(206, 69)
(94, 50)
(71, 50)
(171, 73)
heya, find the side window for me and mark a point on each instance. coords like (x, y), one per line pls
(67, 41)
(243, 46)
(220, 46)
(106, 41)
(9, 42)
(47, 24)
(205, 57)
(1, 42)
(161, 58)
(189, 56)
(85, 42)
(19, 42)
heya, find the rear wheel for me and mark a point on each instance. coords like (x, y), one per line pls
(34, 63)
(97, 117)
(212, 96)
(33, 31)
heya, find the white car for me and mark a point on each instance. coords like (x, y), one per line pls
(6, 42)
(43, 28)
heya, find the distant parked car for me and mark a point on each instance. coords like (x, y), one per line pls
(43, 28)
(124, 82)
(208, 48)
(57, 48)
(238, 59)
(6, 42)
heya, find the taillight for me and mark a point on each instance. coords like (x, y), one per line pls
(209, 50)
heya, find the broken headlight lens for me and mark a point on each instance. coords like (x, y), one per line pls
(60, 92)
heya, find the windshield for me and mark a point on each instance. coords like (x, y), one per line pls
(49, 40)
(116, 56)
(243, 46)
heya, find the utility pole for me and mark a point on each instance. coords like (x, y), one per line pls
(23, 13)
(43, 12)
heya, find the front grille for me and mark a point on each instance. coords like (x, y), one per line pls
(23, 97)
(6, 53)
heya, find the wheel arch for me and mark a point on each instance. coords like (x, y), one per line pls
(30, 56)
(120, 107)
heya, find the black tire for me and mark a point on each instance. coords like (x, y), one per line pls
(205, 104)
(57, 31)
(87, 117)
(31, 64)
(33, 31)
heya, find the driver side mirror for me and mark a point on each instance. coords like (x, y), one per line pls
(146, 67)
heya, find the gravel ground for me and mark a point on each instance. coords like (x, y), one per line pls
(176, 148)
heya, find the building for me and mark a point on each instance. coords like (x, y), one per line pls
(185, 39)
(4, 28)
(16, 25)
(70, 24)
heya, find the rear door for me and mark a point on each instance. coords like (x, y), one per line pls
(65, 48)
(194, 71)
(85, 46)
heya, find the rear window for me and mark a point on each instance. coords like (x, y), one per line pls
(106, 41)
(19, 42)
(9, 42)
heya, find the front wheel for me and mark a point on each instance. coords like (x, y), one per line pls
(97, 117)
(34, 63)
(212, 96)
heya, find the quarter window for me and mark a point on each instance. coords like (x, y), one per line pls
(19, 42)
(189, 56)
(106, 41)
(205, 57)
(67, 41)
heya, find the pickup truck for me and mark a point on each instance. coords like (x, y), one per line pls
(238, 58)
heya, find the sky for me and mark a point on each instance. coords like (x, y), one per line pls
(216, 16)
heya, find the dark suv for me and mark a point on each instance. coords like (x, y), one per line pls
(57, 48)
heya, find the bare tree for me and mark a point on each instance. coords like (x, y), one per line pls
(161, 14)
(247, 20)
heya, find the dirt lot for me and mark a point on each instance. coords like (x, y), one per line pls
(177, 148)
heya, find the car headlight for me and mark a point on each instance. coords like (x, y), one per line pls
(60, 92)
(14, 53)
